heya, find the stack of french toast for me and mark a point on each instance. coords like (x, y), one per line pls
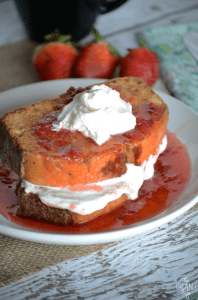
(44, 157)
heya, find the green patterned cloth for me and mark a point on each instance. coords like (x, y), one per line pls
(179, 69)
(189, 296)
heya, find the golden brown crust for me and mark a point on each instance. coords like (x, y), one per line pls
(29, 205)
(135, 88)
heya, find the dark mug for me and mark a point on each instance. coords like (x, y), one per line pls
(75, 17)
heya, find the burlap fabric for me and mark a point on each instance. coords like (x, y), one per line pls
(15, 64)
(18, 258)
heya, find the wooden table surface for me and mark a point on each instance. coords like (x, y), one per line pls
(155, 265)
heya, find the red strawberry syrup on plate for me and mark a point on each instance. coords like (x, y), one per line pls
(172, 174)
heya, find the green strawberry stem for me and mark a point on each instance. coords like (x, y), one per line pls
(56, 36)
(99, 37)
(142, 44)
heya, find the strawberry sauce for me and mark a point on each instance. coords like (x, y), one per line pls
(172, 174)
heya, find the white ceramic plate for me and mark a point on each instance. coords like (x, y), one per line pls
(183, 121)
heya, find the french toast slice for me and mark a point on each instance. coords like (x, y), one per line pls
(30, 205)
(64, 158)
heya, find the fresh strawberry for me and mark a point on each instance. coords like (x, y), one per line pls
(55, 60)
(142, 63)
(97, 60)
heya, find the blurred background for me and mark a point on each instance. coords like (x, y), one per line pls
(118, 26)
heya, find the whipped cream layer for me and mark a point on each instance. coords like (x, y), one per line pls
(85, 199)
(97, 113)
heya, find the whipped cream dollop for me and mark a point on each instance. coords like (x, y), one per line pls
(85, 199)
(97, 113)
